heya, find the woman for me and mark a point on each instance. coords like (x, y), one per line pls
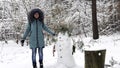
(34, 29)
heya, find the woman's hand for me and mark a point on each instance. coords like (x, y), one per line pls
(22, 42)
(54, 34)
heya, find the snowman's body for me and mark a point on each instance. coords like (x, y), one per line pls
(64, 51)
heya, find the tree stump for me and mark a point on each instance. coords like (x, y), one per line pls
(95, 59)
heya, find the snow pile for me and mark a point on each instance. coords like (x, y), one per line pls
(12, 55)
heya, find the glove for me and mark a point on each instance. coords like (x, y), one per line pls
(54, 34)
(22, 42)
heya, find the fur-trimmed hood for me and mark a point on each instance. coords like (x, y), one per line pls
(31, 15)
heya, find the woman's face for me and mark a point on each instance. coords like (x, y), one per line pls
(36, 15)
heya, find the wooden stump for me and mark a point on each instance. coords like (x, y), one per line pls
(95, 59)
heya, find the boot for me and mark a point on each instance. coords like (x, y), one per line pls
(41, 64)
(34, 65)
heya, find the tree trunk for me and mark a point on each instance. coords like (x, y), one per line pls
(94, 19)
(95, 59)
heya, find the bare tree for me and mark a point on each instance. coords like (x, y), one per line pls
(94, 19)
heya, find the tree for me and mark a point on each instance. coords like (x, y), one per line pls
(94, 20)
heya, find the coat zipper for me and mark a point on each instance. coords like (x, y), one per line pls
(37, 32)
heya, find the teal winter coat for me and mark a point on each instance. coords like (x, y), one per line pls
(35, 31)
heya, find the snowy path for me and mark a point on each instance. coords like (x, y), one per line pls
(13, 55)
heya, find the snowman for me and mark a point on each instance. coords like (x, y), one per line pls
(64, 51)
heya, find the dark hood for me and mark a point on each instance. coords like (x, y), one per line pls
(31, 15)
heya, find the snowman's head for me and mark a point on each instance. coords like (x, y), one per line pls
(63, 37)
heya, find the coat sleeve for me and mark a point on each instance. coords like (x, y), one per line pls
(27, 31)
(47, 29)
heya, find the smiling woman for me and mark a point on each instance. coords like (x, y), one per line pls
(35, 28)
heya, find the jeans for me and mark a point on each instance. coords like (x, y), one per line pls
(40, 52)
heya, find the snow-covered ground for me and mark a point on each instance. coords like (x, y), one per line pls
(12, 55)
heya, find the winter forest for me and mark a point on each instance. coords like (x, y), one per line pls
(69, 19)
